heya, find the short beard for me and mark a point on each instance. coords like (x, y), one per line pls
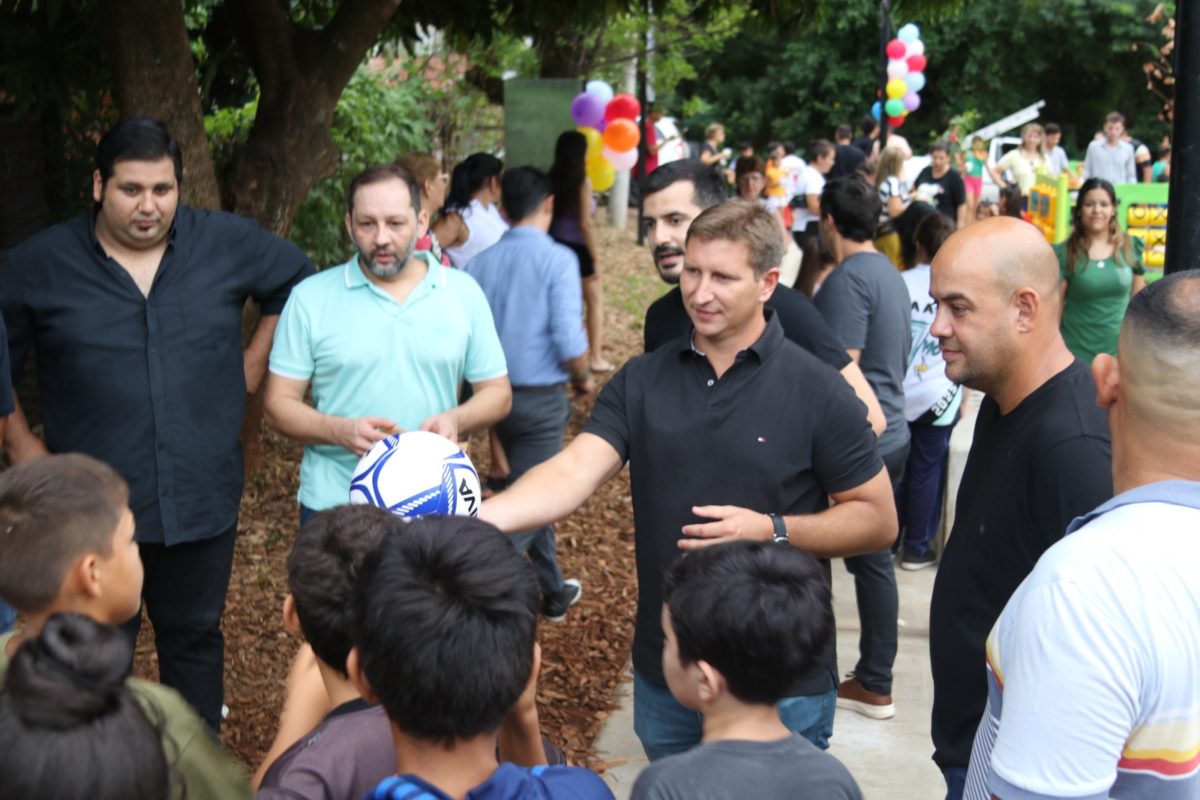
(671, 279)
(386, 272)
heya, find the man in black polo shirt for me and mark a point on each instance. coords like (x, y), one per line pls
(1040, 456)
(731, 431)
(674, 195)
(135, 313)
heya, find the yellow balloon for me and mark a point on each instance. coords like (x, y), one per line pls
(896, 88)
(595, 142)
(601, 174)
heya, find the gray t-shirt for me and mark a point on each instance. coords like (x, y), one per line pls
(866, 303)
(791, 768)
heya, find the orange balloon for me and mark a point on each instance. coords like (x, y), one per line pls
(622, 134)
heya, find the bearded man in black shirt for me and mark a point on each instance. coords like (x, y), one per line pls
(1040, 457)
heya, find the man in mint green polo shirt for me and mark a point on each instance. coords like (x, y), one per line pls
(384, 341)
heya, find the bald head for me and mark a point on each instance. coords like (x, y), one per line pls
(1015, 252)
(1159, 356)
(999, 305)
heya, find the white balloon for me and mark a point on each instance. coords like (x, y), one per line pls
(897, 69)
(916, 48)
(623, 160)
(600, 89)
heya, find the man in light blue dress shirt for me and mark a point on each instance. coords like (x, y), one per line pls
(532, 285)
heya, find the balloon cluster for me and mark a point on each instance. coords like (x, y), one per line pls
(609, 123)
(906, 76)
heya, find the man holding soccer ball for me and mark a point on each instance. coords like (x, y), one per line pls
(384, 342)
(731, 432)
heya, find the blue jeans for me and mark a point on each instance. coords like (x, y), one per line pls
(8, 617)
(306, 514)
(878, 603)
(532, 433)
(666, 728)
(956, 781)
(919, 495)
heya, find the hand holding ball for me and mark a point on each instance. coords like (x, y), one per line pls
(417, 473)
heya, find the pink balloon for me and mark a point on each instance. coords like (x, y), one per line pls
(622, 160)
(896, 49)
(912, 101)
(916, 63)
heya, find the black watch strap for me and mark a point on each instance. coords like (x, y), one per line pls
(781, 535)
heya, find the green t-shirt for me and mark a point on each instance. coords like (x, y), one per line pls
(1097, 293)
(974, 166)
(201, 768)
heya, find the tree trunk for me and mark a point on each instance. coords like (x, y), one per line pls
(154, 75)
(302, 73)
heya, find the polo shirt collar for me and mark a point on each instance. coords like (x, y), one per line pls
(770, 341)
(355, 278)
(1178, 493)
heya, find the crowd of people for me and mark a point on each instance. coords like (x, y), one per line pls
(768, 429)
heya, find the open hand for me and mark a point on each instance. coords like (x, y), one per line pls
(730, 523)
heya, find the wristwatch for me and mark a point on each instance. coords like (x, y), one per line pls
(780, 536)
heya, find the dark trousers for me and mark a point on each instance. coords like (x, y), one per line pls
(532, 433)
(184, 593)
(878, 602)
(919, 495)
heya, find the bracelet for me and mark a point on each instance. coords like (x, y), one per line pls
(780, 529)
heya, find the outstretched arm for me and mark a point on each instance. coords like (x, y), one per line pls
(554, 488)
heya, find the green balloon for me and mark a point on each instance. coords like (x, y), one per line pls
(894, 107)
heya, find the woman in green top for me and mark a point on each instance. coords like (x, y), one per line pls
(1101, 268)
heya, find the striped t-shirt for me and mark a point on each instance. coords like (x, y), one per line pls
(1094, 665)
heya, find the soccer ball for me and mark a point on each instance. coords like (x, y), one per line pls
(417, 473)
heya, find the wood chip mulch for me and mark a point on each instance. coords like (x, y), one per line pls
(583, 658)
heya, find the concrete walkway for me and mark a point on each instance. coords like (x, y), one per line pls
(889, 758)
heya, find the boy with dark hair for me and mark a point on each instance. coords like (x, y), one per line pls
(727, 656)
(445, 622)
(350, 750)
(67, 535)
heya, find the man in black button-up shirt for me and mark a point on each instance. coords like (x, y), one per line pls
(134, 312)
(723, 429)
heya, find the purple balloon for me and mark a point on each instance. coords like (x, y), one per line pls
(587, 110)
(912, 101)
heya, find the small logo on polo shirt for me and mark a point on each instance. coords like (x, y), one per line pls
(762, 440)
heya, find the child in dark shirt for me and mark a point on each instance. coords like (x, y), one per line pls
(445, 622)
(729, 655)
(348, 749)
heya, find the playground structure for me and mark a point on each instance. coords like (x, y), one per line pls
(1141, 212)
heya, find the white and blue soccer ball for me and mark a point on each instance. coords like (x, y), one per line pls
(416, 473)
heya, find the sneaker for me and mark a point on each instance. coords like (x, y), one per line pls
(853, 696)
(554, 609)
(912, 562)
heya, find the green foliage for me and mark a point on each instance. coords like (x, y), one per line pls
(227, 129)
(378, 118)
(992, 57)
(53, 70)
